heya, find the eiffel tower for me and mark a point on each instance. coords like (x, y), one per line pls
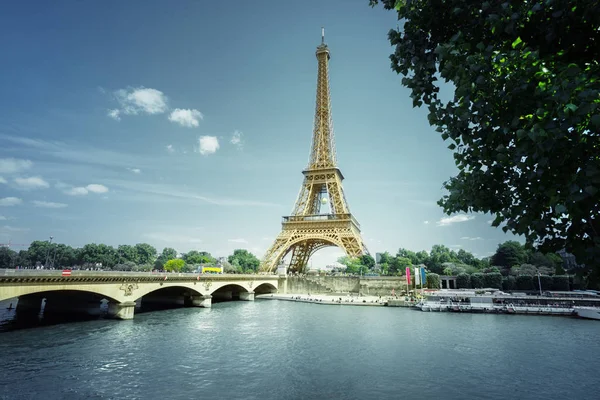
(308, 230)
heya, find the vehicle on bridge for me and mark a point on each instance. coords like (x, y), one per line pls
(210, 270)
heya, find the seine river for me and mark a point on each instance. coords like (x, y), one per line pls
(284, 350)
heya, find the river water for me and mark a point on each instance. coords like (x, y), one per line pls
(283, 350)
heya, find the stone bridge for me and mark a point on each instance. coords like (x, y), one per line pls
(82, 291)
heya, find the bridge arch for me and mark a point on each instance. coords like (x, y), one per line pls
(42, 291)
(265, 288)
(148, 289)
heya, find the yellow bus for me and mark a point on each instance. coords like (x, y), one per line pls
(211, 270)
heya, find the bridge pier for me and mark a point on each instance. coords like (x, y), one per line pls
(228, 295)
(201, 301)
(124, 310)
(247, 296)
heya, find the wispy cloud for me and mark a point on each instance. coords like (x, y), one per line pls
(76, 191)
(2, 180)
(236, 139)
(2, 218)
(186, 117)
(8, 228)
(33, 182)
(238, 241)
(48, 204)
(96, 188)
(207, 145)
(135, 170)
(170, 191)
(426, 222)
(13, 165)
(134, 101)
(170, 149)
(10, 201)
(455, 246)
(445, 221)
(114, 114)
(471, 238)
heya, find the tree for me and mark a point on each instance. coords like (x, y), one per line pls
(367, 261)
(493, 280)
(167, 254)
(405, 253)
(353, 264)
(508, 254)
(477, 280)
(246, 260)
(465, 257)
(524, 121)
(440, 254)
(198, 257)
(146, 254)
(433, 281)
(539, 259)
(174, 265)
(126, 253)
(7, 257)
(385, 258)
(399, 265)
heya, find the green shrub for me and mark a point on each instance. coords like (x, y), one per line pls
(433, 281)
(560, 282)
(477, 281)
(509, 283)
(524, 282)
(545, 280)
(493, 280)
(463, 281)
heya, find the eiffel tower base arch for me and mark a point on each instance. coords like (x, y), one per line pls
(302, 242)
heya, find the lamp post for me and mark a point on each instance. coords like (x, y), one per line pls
(539, 283)
(48, 251)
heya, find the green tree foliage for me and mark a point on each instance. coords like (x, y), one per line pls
(385, 258)
(477, 281)
(7, 257)
(524, 120)
(422, 257)
(433, 280)
(546, 281)
(508, 254)
(174, 265)
(560, 282)
(439, 255)
(126, 253)
(167, 254)
(195, 257)
(493, 280)
(526, 269)
(367, 261)
(411, 255)
(524, 282)
(246, 260)
(463, 281)
(509, 283)
(146, 254)
(399, 265)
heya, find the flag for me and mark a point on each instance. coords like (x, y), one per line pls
(423, 276)
(408, 276)
(417, 276)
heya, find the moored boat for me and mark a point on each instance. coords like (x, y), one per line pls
(588, 312)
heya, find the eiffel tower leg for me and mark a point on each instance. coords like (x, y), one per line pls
(300, 255)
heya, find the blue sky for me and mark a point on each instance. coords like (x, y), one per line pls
(111, 112)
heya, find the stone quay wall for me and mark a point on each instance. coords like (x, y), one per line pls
(368, 286)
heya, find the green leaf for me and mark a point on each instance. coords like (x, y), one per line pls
(571, 107)
(445, 136)
(516, 42)
(595, 120)
(452, 146)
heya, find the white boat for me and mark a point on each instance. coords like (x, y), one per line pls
(588, 312)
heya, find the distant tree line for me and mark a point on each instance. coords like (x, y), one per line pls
(511, 267)
(139, 257)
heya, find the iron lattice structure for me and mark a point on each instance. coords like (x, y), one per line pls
(308, 229)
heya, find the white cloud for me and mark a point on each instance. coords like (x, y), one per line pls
(185, 117)
(236, 139)
(237, 241)
(10, 201)
(2, 180)
(2, 218)
(208, 145)
(114, 114)
(33, 182)
(141, 100)
(445, 221)
(425, 222)
(12, 165)
(96, 188)
(135, 170)
(77, 191)
(48, 204)
(471, 238)
(170, 149)
(455, 246)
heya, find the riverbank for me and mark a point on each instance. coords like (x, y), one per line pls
(345, 300)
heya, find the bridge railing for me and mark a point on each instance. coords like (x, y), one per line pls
(76, 272)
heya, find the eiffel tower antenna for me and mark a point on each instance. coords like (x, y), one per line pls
(308, 229)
